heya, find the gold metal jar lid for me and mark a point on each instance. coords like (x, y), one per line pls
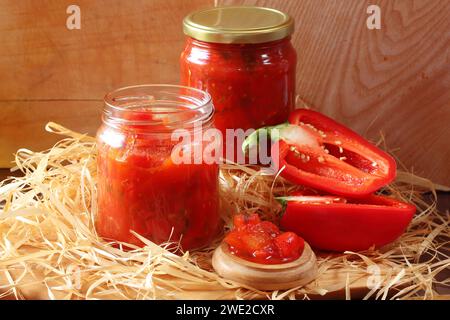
(238, 24)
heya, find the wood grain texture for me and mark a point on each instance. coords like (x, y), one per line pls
(395, 80)
(50, 73)
(120, 43)
(23, 123)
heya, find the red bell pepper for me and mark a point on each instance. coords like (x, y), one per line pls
(316, 151)
(339, 224)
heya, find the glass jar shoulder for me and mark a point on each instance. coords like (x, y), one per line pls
(132, 147)
(238, 57)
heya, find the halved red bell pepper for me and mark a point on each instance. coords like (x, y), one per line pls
(316, 151)
(338, 224)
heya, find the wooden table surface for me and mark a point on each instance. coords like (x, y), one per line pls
(443, 206)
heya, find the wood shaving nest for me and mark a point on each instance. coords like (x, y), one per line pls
(48, 240)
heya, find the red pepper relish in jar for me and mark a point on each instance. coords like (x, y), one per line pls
(140, 186)
(243, 57)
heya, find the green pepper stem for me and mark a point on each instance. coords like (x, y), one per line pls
(253, 139)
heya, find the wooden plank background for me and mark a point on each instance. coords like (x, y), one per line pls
(395, 80)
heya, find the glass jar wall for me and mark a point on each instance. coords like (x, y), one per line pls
(140, 186)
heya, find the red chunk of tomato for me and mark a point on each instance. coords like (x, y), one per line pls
(289, 242)
(262, 242)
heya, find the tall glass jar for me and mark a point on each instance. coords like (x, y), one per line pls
(244, 58)
(141, 186)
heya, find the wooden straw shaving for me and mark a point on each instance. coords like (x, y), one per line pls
(49, 247)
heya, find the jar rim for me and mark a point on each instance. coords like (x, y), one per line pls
(238, 24)
(146, 105)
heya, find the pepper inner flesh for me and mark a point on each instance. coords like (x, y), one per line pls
(325, 165)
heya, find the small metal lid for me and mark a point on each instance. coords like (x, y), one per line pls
(238, 24)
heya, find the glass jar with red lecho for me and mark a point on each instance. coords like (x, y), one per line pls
(244, 58)
(141, 186)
